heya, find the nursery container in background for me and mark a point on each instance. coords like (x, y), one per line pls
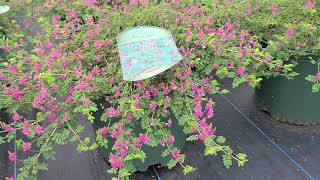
(153, 154)
(291, 101)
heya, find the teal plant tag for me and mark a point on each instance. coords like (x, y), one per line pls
(146, 51)
(4, 9)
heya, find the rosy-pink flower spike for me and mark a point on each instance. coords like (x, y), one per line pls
(175, 154)
(26, 147)
(12, 156)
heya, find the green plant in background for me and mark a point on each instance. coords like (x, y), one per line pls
(285, 30)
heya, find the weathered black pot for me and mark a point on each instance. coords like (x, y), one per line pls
(2, 57)
(4, 117)
(153, 154)
(291, 101)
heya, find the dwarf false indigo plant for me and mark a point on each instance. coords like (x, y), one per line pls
(283, 31)
(75, 61)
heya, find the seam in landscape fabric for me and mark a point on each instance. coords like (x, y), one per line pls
(156, 172)
(270, 140)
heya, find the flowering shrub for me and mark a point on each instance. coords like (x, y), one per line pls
(75, 61)
(285, 29)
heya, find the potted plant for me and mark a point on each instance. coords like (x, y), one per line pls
(291, 34)
(284, 55)
(75, 69)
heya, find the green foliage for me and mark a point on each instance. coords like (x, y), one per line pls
(242, 159)
(172, 163)
(227, 160)
(192, 137)
(188, 169)
(32, 165)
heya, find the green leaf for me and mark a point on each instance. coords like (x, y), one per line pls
(242, 159)
(188, 169)
(227, 161)
(220, 139)
(192, 137)
(224, 91)
(172, 163)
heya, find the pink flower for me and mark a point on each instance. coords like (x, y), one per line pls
(164, 110)
(52, 117)
(310, 5)
(97, 44)
(66, 117)
(7, 47)
(15, 93)
(162, 143)
(171, 139)
(12, 68)
(118, 145)
(8, 129)
(55, 20)
(275, 10)
(38, 129)
(230, 67)
(11, 178)
(123, 153)
(143, 2)
(104, 131)
(16, 117)
(290, 32)
(137, 144)
(168, 99)
(3, 76)
(23, 81)
(175, 154)
(317, 77)
(40, 99)
(209, 109)
(232, 35)
(89, 2)
(129, 116)
(201, 35)
(153, 105)
(115, 161)
(12, 156)
(268, 59)
(112, 112)
(26, 128)
(143, 138)
(114, 134)
(215, 66)
(147, 94)
(240, 71)
(243, 52)
(133, 2)
(26, 147)
(248, 8)
(169, 123)
(198, 110)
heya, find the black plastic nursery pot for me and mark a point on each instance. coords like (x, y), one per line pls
(3, 118)
(291, 101)
(153, 154)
